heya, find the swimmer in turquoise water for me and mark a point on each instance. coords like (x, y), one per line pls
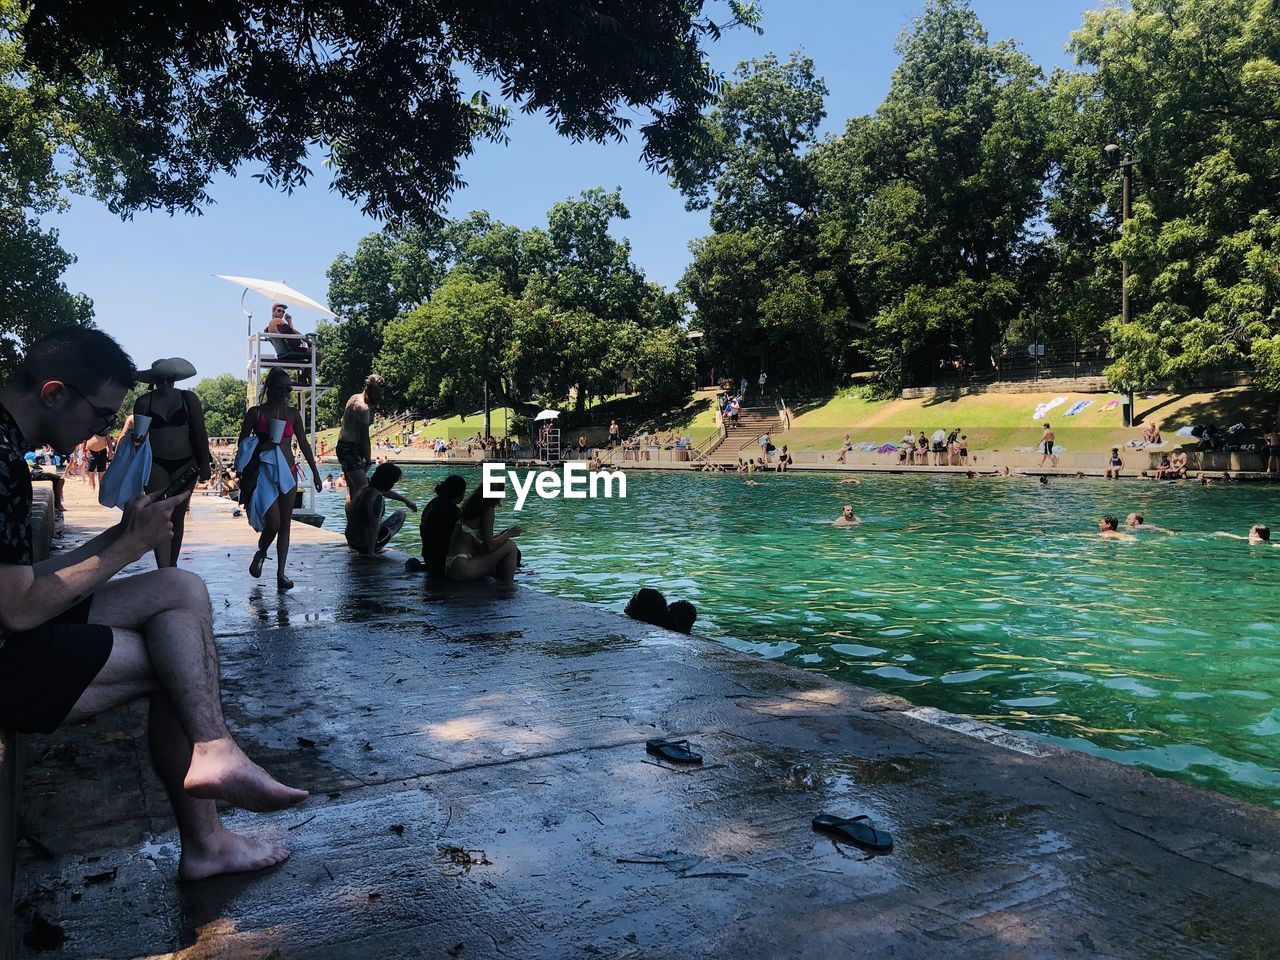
(1108, 527)
(846, 518)
(1258, 533)
(1136, 523)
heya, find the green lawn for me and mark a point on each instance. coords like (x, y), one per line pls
(1003, 421)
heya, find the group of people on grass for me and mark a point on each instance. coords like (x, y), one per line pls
(941, 449)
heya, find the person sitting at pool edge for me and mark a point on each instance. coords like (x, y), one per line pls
(1108, 527)
(1258, 533)
(1114, 464)
(438, 520)
(475, 551)
(846, 518)
(75, 643)
(367, 533)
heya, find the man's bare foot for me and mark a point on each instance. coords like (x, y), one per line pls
(220, 771)
(227, 852)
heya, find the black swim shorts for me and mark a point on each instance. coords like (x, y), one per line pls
(44, 671)
(349, 456)
(97, 461)
(1048, 448)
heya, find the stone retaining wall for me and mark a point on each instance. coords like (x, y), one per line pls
(42, 519)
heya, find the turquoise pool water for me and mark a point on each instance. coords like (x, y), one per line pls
(991, 598)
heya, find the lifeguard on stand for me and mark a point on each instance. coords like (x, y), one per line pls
(281, 344)
(547, 446)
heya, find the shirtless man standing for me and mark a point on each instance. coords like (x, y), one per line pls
(1046, 444)
(97, 449)
(354, 452)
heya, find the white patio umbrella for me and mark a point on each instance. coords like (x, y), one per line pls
(277, 291)
(547, 415)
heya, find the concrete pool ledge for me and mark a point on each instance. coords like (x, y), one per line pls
(480, 789)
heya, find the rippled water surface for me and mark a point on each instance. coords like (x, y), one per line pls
(991, 598)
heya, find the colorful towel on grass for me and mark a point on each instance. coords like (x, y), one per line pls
(1111, 405)
(1077, 407)
(1186, 432)
(1043, 408)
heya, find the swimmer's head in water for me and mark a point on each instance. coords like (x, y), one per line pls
(1108, 523)
(681, 616)
(1134, 520)
(1044, 481)
(848, 510)
(648, 606)
(1261, 531)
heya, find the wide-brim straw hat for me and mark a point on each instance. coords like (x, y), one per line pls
(171, 368)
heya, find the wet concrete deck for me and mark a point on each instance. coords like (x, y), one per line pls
(480, 789)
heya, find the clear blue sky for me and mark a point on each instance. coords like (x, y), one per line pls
(151, 277)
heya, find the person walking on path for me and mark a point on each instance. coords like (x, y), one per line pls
(97, 450)
(1046, 445)
(75, 643)
(614, 434)
(277, 521)
(354, 450)
(1272, 442)
(763, 378)
(178, 436)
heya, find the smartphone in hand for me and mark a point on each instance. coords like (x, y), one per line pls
(179, 483)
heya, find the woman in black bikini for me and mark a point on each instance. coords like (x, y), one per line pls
(277, 390)
(178, 439)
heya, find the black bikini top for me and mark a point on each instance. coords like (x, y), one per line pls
(180, 418)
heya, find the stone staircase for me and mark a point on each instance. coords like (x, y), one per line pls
(752, 422)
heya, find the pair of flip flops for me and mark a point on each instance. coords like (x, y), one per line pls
(674, 751)
(859, 831)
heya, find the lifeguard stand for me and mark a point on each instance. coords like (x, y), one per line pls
(551, 446)
(297, 353)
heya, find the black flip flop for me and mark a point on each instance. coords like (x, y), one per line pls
(859, 831)
(677, 751)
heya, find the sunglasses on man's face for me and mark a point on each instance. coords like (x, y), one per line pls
(109, 416)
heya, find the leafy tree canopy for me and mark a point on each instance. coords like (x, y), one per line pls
(391, 92)
(530, 315)
(1192, 89)
(223, 400)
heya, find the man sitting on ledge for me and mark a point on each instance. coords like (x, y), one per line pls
(73, 645)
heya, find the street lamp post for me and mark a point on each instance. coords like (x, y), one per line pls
(1123, 161)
